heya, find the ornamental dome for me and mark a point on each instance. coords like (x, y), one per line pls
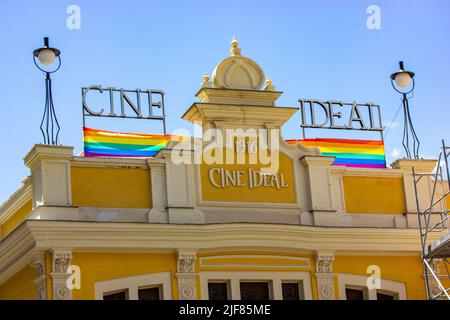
(238, 72)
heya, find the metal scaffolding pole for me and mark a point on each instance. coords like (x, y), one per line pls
(435, 218)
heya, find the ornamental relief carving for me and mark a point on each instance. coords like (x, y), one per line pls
(61, 262)
(185, 264)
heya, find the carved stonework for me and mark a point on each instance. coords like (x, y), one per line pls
(325, 276)
(325, 264)
(187, 278)
(60, 262)
(38, 262)
(185, 263)
(325, 286)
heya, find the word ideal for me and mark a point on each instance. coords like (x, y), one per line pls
(125, 100)
(326, 115)
(222, 178)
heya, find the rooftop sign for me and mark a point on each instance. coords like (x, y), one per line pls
(126, 108)
(340, 115)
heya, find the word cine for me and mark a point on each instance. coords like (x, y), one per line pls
(221, 178)
(360, 116)
(154, 99)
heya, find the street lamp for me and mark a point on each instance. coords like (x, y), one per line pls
(403, 82)
(47, 56)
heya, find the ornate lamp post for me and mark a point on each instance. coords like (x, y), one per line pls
(47, 56)
(401, 81)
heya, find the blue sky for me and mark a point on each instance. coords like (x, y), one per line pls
(310, 49)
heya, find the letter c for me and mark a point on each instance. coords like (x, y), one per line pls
(85, 105)
(211, 177)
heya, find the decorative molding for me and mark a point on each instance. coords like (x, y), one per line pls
(103, 162)
(38, 262)
(164, 236)
(187, 278)
(301, 263)
(61, 260)
(324, 275)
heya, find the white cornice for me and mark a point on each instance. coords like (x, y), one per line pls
(15, 252)
(101, 236)
(89, 235)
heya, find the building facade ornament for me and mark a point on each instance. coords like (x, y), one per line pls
(61, 260)
(238, 72)
(38, 262)
(187, 278)
(325, 276)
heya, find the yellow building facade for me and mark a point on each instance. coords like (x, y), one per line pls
(155, 228)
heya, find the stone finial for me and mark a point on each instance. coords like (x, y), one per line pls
(206, 83)
(268, 86)
(235, 51)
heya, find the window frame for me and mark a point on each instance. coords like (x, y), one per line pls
(354, 280)
(275, 277)
(134, 283)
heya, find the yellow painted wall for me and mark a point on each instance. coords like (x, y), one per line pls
(374, 195)
(21, 286)
(245, 194)
(111, 187)
(15, 219)
(406, 269)
(97, 266)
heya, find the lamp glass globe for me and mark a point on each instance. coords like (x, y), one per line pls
(402, 79)
(46, 56)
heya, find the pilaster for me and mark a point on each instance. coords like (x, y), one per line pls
(423, 186)
(186, 275)
(61, 260)
(324, 275)
(158, 213)
(38, 262)
(180, 186)
(50, 174)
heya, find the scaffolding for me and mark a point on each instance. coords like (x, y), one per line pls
(435, 218)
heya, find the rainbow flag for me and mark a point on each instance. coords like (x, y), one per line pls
(101, 143)
(350, 152)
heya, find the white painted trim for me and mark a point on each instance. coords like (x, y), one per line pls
(132, 284)
(354, 280)
(302, 262)
(274, 278)
(16, 201)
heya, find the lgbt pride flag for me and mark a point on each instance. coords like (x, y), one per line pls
(350, 152)
(101, 143)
